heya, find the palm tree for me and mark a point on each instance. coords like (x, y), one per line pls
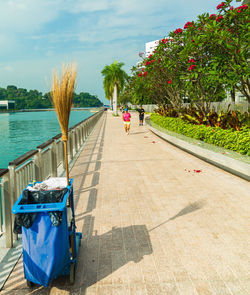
(113, 82)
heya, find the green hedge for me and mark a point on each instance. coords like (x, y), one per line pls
(230, 139)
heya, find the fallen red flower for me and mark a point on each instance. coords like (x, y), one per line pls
(197, 171)
(191, 67)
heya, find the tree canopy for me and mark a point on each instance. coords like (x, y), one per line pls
(198, 63)
(33, 99)
(113, 75)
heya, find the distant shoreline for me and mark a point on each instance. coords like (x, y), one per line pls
(46, 110)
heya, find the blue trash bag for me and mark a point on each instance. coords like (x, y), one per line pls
(46, 253)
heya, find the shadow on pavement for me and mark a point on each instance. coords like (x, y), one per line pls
(104, 254)
(188, 209)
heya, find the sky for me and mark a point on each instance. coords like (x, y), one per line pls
(38, 36)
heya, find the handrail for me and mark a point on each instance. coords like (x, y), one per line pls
(45, 161)
(18, 161)
(3, 171)
(57, 136)
(45, 144)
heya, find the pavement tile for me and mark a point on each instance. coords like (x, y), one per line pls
(149, 226)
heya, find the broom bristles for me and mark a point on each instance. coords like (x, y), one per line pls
(62, 96)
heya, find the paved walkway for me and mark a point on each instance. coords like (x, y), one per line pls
(150, 224)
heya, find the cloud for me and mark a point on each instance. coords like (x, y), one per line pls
(25, 16)
(80, 6)
(38, 35)
(6, 68)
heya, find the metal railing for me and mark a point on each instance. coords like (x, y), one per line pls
(45, 161)
(241, 106)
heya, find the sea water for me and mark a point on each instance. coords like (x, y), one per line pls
(21, 132)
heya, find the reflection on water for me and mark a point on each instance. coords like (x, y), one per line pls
(23, 131)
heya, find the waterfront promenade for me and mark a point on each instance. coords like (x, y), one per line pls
(151, 224)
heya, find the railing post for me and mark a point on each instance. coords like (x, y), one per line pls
(76, 139)
(54, 159)
(84, 131)
(12, 192)
(71, 144)
(88, 127)
(62, 151)
(74, 145)
(38, 166)
(79, 130)
(7, 216)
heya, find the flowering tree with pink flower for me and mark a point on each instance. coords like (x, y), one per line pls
(230, 48)
(200, 62)
(202, 83)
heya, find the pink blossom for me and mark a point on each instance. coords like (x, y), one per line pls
(219, 18)
(188, 24)
(221, 5)
(178, 31)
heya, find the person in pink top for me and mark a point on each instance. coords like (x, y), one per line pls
(126, 120)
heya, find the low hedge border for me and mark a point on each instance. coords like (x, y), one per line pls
(230, 139)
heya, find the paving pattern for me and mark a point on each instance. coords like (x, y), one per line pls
(151, 224)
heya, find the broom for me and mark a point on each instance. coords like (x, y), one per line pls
(62, 98)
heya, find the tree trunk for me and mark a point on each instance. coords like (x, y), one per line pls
(115, 100)
(111, 103)
(232, 92)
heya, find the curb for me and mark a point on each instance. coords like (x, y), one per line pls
(224, 162)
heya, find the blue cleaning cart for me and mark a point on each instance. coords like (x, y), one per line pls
(49, 251)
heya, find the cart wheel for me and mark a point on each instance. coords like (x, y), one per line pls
(72, 273)
(30, 284)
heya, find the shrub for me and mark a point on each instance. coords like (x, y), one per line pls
(231, 139)
(224, 119)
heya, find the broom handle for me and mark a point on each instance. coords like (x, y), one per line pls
(66, 161)
(66, 165)
(67, 175)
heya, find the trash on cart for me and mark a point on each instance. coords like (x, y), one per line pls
(53, 183)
